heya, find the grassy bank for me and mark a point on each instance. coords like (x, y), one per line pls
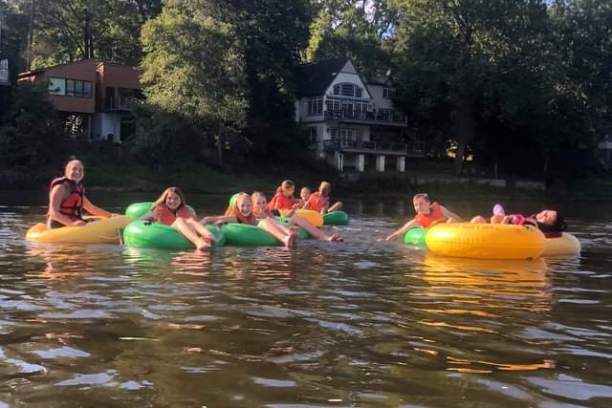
(126, 176)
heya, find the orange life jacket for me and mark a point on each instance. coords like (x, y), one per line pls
(434, 215)
(71, 206)
(316, 202)
(280, 202)
(164, 215)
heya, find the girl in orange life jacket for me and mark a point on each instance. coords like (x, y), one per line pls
(428, 213)
(67, 198)
(262, 212)
(283, 199)
(242, 213)
(319, 201)
(170, 209)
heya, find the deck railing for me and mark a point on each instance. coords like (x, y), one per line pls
(373, 147)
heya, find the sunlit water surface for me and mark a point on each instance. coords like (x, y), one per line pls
(362, 323)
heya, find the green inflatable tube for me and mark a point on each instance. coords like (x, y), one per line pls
(247, 235)
(142, 234)
(137, 210)
(336, 218)
(415, 236)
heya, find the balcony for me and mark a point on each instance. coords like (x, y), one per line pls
(120, 99)
(386, 117)
(414, 149)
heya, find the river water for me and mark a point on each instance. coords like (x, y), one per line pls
(364, 323)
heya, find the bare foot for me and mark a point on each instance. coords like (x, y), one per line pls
(335, 238)
(290, 240)
(202, 244)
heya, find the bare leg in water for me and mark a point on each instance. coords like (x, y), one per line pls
(312, 230)
(191, 234)
(280, 232)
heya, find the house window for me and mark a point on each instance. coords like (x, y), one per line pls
(57, 86)
(75, 87)
(4, 71)
(388, 93)
(312, 135)
(346, 137)
(315, 106)
(348, 89)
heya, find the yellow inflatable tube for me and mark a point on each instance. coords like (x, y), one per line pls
(313, 217)
(565, 245)
(485, 241)
(103, 231)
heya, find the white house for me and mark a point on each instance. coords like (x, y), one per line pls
(352, 121)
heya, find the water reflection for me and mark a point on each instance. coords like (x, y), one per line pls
(365, 323)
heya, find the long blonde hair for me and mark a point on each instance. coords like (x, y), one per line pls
(232, 208)
(161, 200)
(325, 188)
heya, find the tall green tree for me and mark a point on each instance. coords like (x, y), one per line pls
(583, 31)
(194, 67)
(31, 133)
(272, 34)
(355, 29)
(465, 63)
(63, 31)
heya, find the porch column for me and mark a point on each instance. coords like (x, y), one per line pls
(339, 158)
(360, 163)
(401, 164)
(380, 163)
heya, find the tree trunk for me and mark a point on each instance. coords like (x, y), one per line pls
(220, 144)
(464, 122)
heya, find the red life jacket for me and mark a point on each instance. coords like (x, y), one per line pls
(316, 202)
(434, 215)
(518, 219)
(164, 215)
(71, 206)
(244, 219)
(280, 202)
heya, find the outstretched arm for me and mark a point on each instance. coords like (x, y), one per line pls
(221, 219)
(449, 214)
(93, 210)
(401, 231)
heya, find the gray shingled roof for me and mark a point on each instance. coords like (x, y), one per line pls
(313, 79)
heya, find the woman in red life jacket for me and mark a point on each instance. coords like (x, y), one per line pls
(261, 211)
(283, 199)
(319, 201)
(170, 209)
(67, 199)
(242, 213)
(428, 213)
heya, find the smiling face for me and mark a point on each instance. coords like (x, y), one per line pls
(547, 217)
(173, 201)
(244, 205)
(304, 193)
(74, 171)
(422, 206)
(259, 203)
